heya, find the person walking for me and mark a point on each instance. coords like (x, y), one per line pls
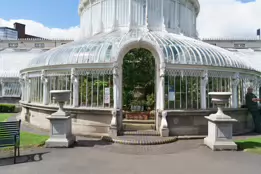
(252, 105)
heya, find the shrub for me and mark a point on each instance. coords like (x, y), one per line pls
(7, 108)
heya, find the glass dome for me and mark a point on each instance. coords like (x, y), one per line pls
(176, 49)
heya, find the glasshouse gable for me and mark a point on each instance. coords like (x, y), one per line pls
(11, 61)
(138, 65)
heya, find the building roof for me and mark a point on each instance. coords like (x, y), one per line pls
(13, 60)
(254, 57)
(176, 49)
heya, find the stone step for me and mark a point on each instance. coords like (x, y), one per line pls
(140, 140)
(138, 121)
(136, 126)
(141, 133)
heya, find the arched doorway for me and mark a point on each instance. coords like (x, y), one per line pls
(139, 90)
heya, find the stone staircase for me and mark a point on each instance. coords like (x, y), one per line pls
(132, 125)
(140, 132)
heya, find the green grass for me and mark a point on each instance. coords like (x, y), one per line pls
(4, 117)
(252, 145)
(28, 140)
(32, 140)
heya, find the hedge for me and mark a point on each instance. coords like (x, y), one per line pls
(7, 108)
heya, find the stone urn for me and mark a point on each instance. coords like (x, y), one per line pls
(60, 96)
(139, 93)
(220, 99)
(220, 125)
(138, 102)
(60, 122)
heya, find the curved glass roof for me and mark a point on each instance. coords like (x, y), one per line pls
(253, 56)
(177, 49)
(13, 60)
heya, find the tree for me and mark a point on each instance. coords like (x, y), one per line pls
(138, 70)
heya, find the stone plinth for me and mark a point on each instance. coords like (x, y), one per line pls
(61, 123)
(220, 134)
(220, 125)
(60, 132)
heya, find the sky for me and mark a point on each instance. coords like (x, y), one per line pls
(59, 18)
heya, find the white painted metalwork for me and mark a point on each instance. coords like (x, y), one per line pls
(188, 51)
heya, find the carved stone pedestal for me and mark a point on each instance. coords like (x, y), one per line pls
(220, 126)
(220, 134)
(60, 132)
(164, 130)
(61, 123)
(113, 127)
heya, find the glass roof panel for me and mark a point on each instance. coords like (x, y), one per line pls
(177, 49)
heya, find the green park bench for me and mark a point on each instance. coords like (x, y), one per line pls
(10, 136)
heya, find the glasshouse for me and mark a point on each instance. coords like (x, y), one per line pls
(138, 65)
(11, 61)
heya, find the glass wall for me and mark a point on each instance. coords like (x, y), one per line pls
(8, 34)
(11, 89)
(182, 92)
(36, 90)
(96, 90)
(217, 84)
(60, 83)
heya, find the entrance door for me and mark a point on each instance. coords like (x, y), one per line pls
(138, 87)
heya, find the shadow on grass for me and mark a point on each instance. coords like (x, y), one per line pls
(242, 145)
(8, 159)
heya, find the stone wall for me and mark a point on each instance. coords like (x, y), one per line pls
(84, 121)
(194, 122)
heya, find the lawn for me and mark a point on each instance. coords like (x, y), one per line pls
(4, 117)
(250, 145)
(28, 140)
(32, 140)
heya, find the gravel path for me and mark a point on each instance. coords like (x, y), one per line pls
(26, 127)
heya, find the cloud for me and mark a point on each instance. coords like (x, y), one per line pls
(38, 29)
(229, 18)
(217, 18)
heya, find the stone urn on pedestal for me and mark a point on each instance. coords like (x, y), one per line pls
(220, 125)
(60, 122)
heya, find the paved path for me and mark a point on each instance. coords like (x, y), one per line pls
(26, 127)
(94, 157)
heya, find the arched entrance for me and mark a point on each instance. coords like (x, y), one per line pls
(138, 90)
(159, 78)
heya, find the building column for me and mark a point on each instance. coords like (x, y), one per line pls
(130, 15)
(28, 89)
(115, 22)
(203, 89)
(21, 81)
(116, 87)
(46, 91)
(162, 86)
(235, 82)
(101, 21)
(164, 130)
(162, 16)
(75, 83)
(2, 88)
(116, 121)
